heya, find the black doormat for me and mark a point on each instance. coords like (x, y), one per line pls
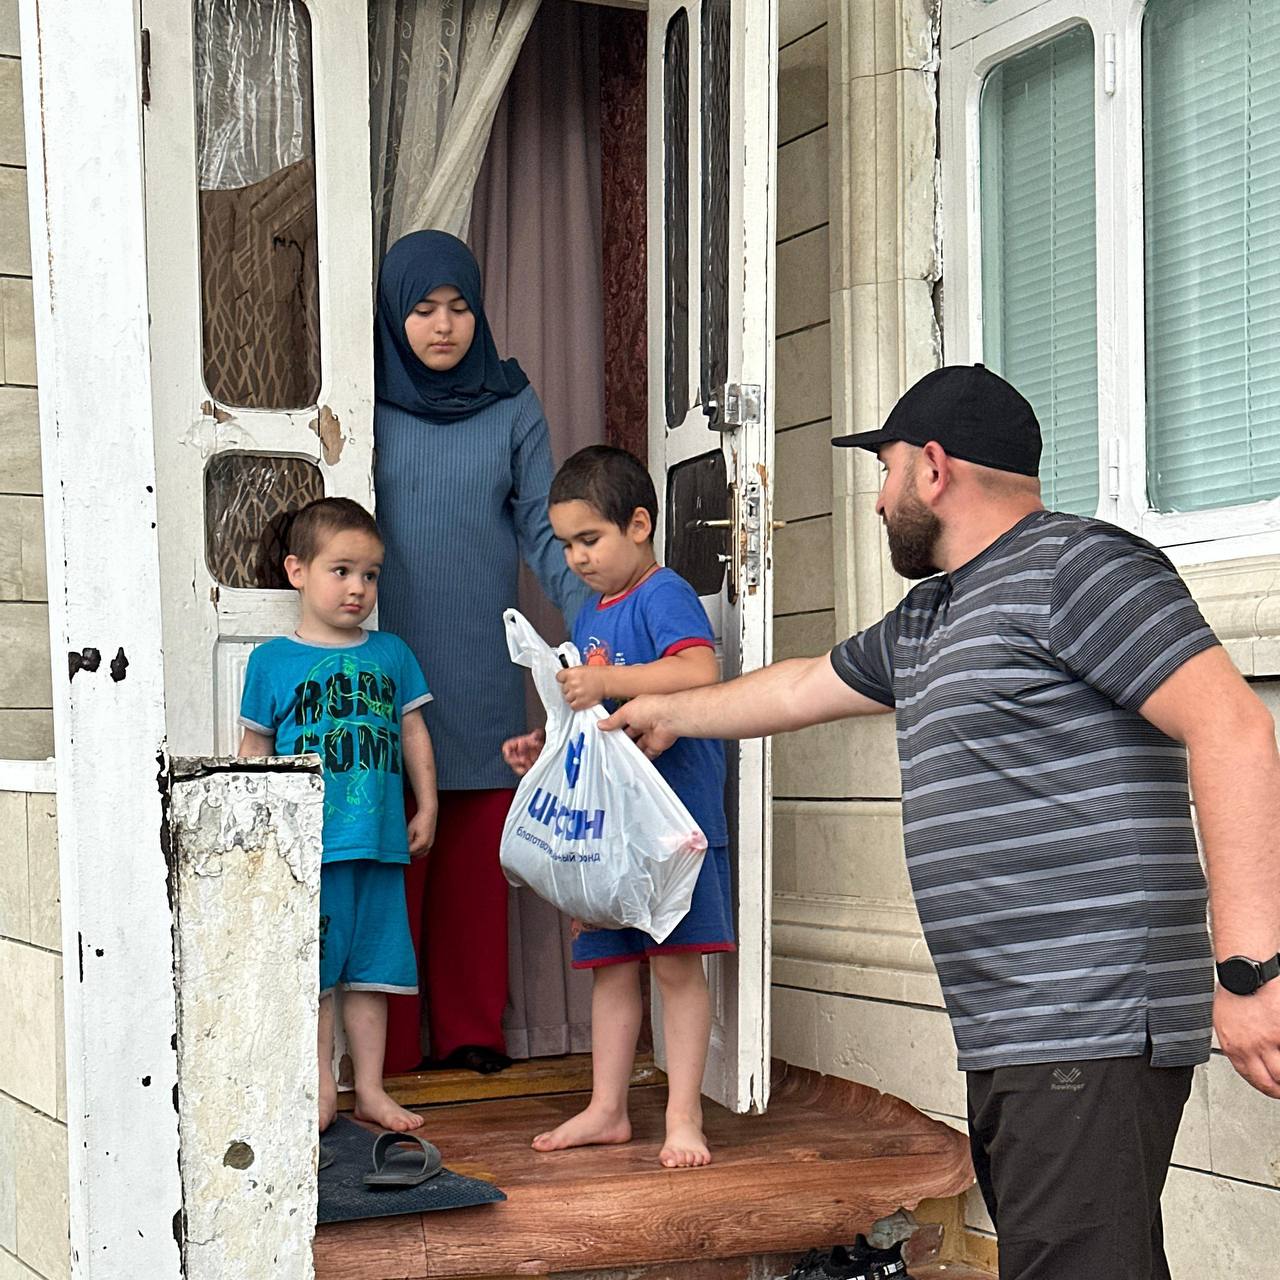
(344, 1197)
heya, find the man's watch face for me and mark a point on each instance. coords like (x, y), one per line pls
(1240, 976)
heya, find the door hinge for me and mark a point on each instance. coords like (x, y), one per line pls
(1109, 63)
(1113, 467)
(736, 404)
(146, 67)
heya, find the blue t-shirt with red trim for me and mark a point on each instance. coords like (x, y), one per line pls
(656, 619)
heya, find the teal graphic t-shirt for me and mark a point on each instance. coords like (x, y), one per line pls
(345, 704)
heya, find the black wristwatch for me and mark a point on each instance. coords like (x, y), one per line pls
(1242, 976)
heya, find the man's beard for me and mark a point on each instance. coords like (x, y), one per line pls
(913, 536)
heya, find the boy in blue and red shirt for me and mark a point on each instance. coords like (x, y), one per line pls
(644, 631)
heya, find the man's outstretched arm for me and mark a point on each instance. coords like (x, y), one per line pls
(788, 695)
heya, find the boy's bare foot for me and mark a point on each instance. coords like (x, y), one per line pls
(592, 1127)
(328, 1101)
(685, 1147)
(375, 1106)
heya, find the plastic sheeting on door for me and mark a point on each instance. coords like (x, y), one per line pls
(248, 499)
(253, 89)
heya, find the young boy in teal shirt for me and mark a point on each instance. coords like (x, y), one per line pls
(353, 697)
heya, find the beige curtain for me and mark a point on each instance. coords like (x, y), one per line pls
(475, 100)
(437, 71)
(536, 231)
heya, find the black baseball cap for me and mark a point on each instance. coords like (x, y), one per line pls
(972, 413)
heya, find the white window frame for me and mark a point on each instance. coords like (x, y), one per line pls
(976, 37)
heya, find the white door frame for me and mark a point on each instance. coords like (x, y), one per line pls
(738, 1062)
(753, 208)
(82, 94)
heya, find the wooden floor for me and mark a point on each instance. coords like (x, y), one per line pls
(826, 1160)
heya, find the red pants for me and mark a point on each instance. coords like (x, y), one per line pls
(457, 899)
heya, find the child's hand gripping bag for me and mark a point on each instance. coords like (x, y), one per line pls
(594, 828)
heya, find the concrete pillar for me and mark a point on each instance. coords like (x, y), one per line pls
(245, 852)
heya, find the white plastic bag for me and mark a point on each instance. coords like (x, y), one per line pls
(594, 828)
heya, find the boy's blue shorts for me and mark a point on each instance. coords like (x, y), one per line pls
(364, 928)
(707, 927)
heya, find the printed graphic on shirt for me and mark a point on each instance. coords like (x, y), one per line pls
(345, 705)
(349, 718)
(597, 654)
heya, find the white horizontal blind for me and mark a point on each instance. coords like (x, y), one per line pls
(1212, 226)
(1039, 252)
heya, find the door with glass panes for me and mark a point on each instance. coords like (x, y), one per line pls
(711, 167)
(259, 254)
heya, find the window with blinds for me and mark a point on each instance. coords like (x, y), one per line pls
(1039, 254)
(1211, 132)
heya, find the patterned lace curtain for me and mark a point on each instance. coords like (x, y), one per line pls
(437, 70)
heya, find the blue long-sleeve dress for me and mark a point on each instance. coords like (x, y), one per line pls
(460, 504)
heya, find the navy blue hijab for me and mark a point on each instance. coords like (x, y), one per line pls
(414, 266)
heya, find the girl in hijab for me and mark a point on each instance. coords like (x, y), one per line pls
(463, 466)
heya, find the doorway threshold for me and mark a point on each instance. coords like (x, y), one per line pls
(526, 1078)
(826, 1160)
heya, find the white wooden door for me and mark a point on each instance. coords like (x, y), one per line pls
(711, 175)
(249, 414)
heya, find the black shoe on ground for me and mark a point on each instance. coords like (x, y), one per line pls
(861, 1262)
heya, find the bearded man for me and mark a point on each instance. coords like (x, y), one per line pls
(1052, 678)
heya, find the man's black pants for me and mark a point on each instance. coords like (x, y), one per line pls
(1071, 1158)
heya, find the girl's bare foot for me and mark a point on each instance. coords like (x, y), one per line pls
(595, 1126)
(328, 1101)
(685, 1147)
(375, 1106)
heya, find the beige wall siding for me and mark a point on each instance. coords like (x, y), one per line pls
(804, 575)
(844, 924)
(33, 1132)
(26, 722)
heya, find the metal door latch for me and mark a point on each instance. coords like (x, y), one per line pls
(736, 404)
(746, 520)
(751, 534)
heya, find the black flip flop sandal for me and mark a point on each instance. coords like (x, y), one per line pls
(395, 1165)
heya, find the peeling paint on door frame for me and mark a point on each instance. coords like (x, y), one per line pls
(327, 427)
(80, 77)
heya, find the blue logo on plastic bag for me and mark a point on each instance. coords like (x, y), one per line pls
(573, 761)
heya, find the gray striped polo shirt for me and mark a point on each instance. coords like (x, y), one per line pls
(1047, 824)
